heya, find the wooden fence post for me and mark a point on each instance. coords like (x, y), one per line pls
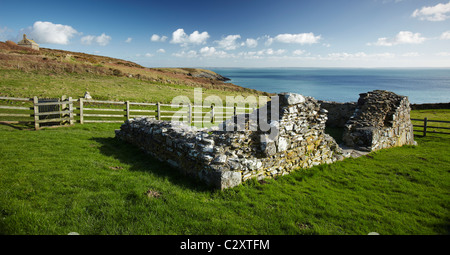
(81, 111)
(212, 113)
(70, 111)
(63, 106)
(190, 114)
(425, 123)
(36, 112)
(128, 109)
(158, 106)
(234, 110)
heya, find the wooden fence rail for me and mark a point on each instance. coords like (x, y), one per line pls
(99, 111)
(425, 127)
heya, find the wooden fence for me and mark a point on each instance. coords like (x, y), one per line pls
(426, 127)
(61, 111)
(69, 111)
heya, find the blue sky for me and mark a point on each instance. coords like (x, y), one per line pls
(243, 33)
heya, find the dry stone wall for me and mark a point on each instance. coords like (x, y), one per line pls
(225, 159)
(381, 120)
(338, 113)
(273, 140)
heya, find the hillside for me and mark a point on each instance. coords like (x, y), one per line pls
(20, 65)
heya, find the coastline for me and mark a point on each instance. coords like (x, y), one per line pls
(421, 85)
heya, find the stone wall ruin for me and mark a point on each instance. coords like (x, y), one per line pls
(224, 159)
(381, 120)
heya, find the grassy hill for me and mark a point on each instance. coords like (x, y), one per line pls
(81, 179)
(52, 73)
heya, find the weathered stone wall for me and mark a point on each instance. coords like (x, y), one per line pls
(381, 120)
(338, 113)
(226, 158)
(430, 106)
(273, 141)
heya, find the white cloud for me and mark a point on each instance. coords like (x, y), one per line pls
(411, 54)
(128, 40)
(229, 42)
(345, 55)
(148, 55)
(445, 35)
(101, 40)
(273, 52)
(180, 37)
(298, 52)
(303, 38)
(212, 52)
(204, 52)
(269, 40)
(249, 55)
(189, 54)
(161, 51)
(358, 55)
(198, 38)
(439, 12)
(158, 38)
(403, 37)
(443, 54)
(88, 39)
(47, 32)
(251, 43)
(261, 53)
(207, 51)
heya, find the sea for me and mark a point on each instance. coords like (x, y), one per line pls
(345, 84)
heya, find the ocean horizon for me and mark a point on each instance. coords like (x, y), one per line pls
(421, 85)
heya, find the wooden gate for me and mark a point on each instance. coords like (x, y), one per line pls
(53, 112)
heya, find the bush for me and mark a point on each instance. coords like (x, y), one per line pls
(116, 72)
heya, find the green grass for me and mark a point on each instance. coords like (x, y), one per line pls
(432, 114)
(15, 83)
(81, 179)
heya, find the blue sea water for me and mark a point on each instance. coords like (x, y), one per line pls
(345, 84)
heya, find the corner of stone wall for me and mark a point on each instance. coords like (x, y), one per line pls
(381, 120)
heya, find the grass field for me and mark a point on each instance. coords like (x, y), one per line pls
(432, 114)
(81, 179)
(14, 83)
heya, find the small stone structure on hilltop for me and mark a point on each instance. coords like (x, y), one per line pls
(271, 141)
(25, 42)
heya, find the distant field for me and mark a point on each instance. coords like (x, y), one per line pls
(81, 179)
(16, 83)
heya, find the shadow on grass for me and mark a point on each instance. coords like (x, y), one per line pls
(141, 161)
(18, 125)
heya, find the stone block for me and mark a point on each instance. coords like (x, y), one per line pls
(230, 179)
(291, 99)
